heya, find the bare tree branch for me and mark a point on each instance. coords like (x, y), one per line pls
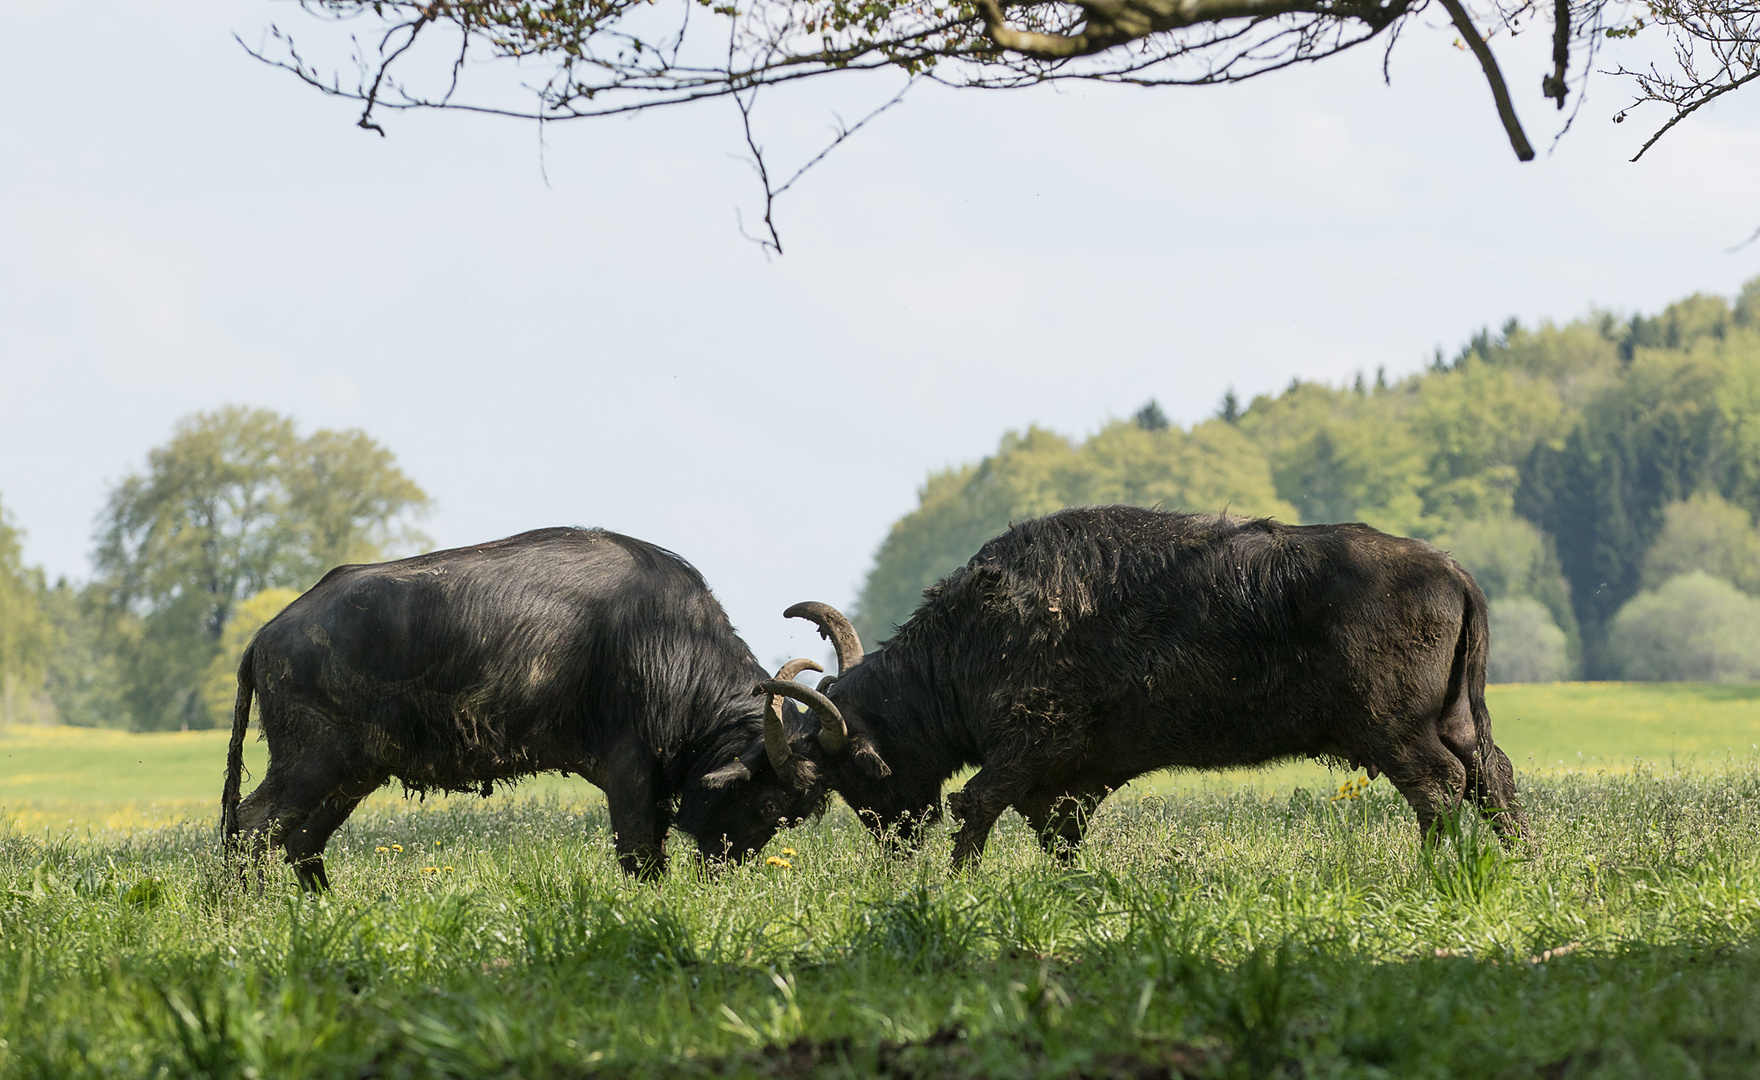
(1705, 97)
(1505, 111)
(554, 60)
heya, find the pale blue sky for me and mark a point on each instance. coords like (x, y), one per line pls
(181, 228)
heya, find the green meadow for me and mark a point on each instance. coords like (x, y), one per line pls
(1255, 925)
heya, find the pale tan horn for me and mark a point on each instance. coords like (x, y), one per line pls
(833, 732)
(795, 667)
(833, 626)
(775, 731)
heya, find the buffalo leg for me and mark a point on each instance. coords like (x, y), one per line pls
(297, 809)
(305, 844)
(1432, 779)
(1060, 818)
(639, 820)
(977, 806)
(1491, 783)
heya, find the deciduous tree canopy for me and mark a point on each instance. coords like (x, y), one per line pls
(236, 503)
(27, 636)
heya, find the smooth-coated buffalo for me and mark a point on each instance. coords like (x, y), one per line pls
(574, 650)
(1082, 649)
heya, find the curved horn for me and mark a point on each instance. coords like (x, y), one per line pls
(833, 732)
(833, 626)
(775, 731)
(795, 667)
(776, 736)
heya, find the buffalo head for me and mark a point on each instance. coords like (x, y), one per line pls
(837, 743)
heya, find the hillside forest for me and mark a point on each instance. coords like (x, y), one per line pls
(1601, 480)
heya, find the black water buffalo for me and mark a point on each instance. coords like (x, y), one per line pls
(1082, 649)
(575, 650)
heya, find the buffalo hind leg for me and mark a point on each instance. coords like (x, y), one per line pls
(290, 809)
(305, 844)
(1491, 784)
(1060, 818)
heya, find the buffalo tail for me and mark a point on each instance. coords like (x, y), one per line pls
(241, 720)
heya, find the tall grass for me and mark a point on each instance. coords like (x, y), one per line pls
(1215, 934)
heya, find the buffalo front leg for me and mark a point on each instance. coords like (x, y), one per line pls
(977, 806)
(639, 820)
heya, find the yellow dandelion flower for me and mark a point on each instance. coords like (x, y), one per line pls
(448, 869)
(777, 861)
(381, 850)
(397, 848)
(430, 869)
(788, 851)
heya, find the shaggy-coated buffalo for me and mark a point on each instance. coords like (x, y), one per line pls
(1082, 649)
(576, 650)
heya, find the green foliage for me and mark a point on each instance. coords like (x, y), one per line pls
(1705, 533)
(1478, 423)
(1654, 438)
(234, 504)
(27, 635)
(1233, 932)
(1695, 627)
(84, 677)
(1680, 325)
(1340, 456)
(1527, 646)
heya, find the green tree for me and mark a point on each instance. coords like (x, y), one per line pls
(1477, 424)
(1738, 404)
(1339, 456)
(1512, 560)
(1527, 646)
(1649, 440)
(27, 636)
(84, 676)
(234, 504)
(1708, 533)
(1694, 628)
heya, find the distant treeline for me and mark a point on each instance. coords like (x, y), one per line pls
(1601, 480)
(232, 518)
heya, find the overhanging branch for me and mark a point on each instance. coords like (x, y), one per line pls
(1505, 111)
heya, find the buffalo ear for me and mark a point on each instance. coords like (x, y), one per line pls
(869, 758)
(730, 773)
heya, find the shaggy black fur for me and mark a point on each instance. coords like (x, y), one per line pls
(1082, 649)
(576, 650)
